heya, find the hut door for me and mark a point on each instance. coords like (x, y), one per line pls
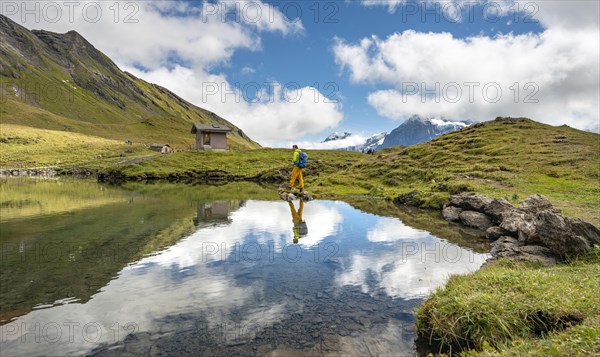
(206, 138)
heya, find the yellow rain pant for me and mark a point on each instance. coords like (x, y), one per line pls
(296, 175)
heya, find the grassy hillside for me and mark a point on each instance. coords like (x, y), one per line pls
(510, 158)
(61, 82)
(23, 146)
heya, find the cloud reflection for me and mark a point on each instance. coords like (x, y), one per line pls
(413, 263)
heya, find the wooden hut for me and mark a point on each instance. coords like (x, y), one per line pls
(211, 136)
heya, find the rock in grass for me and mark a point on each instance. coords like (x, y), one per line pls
(470, 202)
(451, 214)
(535, 204)
(475, 219)
(495, 232)
(497, 209)
(560, 234)
(535, 222)
(508, 247)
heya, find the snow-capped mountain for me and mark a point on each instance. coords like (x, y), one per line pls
(371, 144)
(347, 141)
(418, 130)
(337, 136)
(413, 131)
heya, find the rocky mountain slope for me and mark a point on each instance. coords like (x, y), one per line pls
(413, 131)
(417, 130)
(62, 82)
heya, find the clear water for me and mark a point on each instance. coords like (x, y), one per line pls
(172, 270)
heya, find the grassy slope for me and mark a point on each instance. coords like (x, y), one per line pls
(70, 86)
(22, 146)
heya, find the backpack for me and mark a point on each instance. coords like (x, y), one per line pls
(302, 228)
(302, 160)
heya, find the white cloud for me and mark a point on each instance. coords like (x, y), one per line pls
(247, 70)
(561, 65)
(391, 4)
(281, 112)
(392, 229)
(179, 45)
(352, 140)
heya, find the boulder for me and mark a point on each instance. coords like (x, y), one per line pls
(451, 213)
(584, 229)
(498, 209)
(493, 233)
(475, 219)
(543, 233)
(536, 203)
(470, 202)
(522, 225)
(536, 253)
(558, 233)
(508, 247)
(504, 247)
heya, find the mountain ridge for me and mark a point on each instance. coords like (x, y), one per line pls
(62, 82)
(414, 130)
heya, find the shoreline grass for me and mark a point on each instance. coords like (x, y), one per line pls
(515, 308)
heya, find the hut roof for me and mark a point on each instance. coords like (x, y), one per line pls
(211, 128)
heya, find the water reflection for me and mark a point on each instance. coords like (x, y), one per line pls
(413, 264)
(241, 280)
(300, 228)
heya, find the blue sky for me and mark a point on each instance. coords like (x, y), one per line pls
(361, 66)
(308, 58)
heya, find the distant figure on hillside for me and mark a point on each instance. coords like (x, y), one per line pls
(300, 229)
(299, 161)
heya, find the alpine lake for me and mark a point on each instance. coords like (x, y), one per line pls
(172, 269)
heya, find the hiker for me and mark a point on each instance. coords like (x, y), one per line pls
(299, 160)
(300, 229)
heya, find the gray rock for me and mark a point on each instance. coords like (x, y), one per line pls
(557, 233)
(543, 259)
(508, 247)
(498, 209)
(536, 203)
(475, 219)
(522, 225)
(504, 247)
(495, 232)
(451, 213)
(470, 202)
(584, 229)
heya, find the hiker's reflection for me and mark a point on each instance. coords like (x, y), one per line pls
(300, 228)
